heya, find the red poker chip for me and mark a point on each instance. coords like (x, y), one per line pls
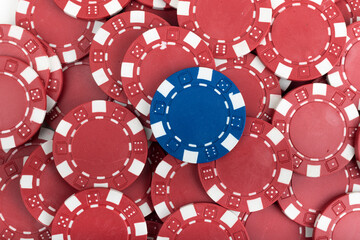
(69, 37)
(262, 155)
(100, 144)
(155, 155)
(312, 53)
(99, 213)
(110, 45)
(153, 229)
(168, 14)
(272, 224)
(344, 76)
(91, 10)
(175, 184)
(78, 87)
(155, 4)
(203, 221)
(225, 38)
(258, 85)
(23, 102)
(170, 49)
(349, 10)
(21, 44)
(39, 178)
(306, 197)
(55, 83)
(340, 219)
(140, 190)
(319, 122)
(16, 222)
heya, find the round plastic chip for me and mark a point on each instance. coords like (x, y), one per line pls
(340, 219)
(262, 155)
(99, 214)
(110, 45)
(183, 119)
(22, 102)
(100, 144)
(237, 29)
(69, 37)
(344, 76)
(203, 221)
(306, 39)
(175, 184)
(319, 122)
(154, 56)
(306, 197)
(258, 85)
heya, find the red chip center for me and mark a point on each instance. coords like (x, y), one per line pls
(49, 20)
(217, 18)
(98, 223)
(13, 209)
(202, 231)
(13, 102)
(307, 128)
(348, 226)
(161, 63)
(247, 169)
(100, 147)
(352, 60)
(300, 33)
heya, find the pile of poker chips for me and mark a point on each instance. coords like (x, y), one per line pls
(186, 119)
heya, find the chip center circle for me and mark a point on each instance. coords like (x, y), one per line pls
(351, 67)
(13, 102)
(100, 148)
(307, 128)
(211, 19)
(198, 115)
(208, 230)
(342, 228)
(252, 162)
(299, 38)
(98, 223)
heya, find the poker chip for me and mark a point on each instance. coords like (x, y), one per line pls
(110, 45)
(340, 219)
(91, 10)
(258, 85)
(175, 184)
(225, 38)
(262, 155)
(305, 197)
(23, 102)
(260, 226)
(312, 53)
(112, 215)
(153, 229)
(78, 87)
(18, 43)
(15, 222)
(139, 191)
(155, 4)
(69, 37)
(344, 76)
(349, 13)
(100, 144)
(170, 49)
(55, 82)
(183, 120)
(155, 155)
(38, 178)
(168, 14)
(305, 116)
(202, 221)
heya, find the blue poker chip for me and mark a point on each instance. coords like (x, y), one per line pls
(198, 115)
